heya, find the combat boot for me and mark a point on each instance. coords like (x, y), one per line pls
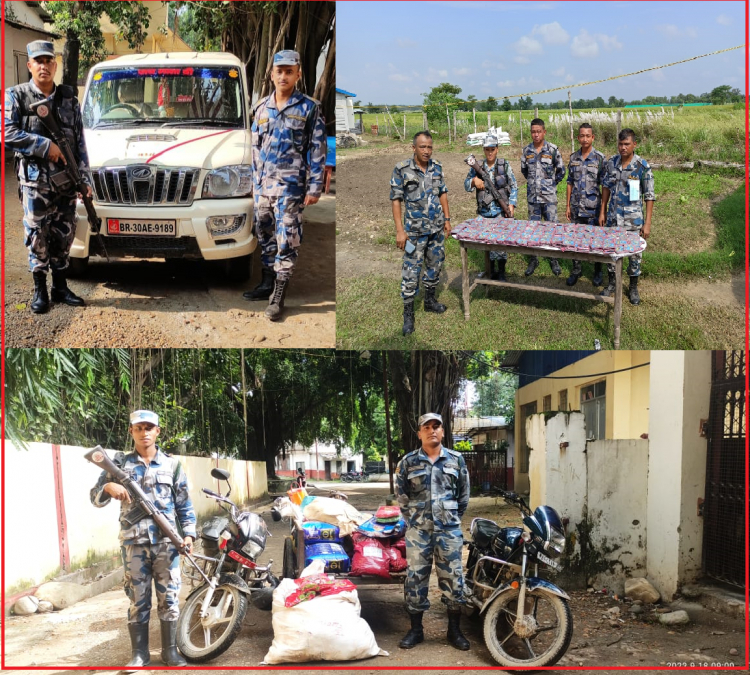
(501, 270)
(572, 279)
(635, 298)
(264, 289)
(139, 646)
(597, 278)
(415, 634)
(40, 301)
(555, 267)
(169, 654)
(455, 636)
(610, 289)
(533, 264)
(61, 292)
(408, 316)
(276, 303)
(431, 304)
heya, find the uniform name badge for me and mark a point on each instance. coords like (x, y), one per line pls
(635, 189)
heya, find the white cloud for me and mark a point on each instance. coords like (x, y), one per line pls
(506, 83)
(443, 73)
(584, 45)
(405, 43)
(461, 71)
(521, 60)
(499, 65)
(551, 33)
(569, 78)
(724, 20)
(397, 77)
(527, 45)
(559, 72)
(609, 42)
(658, 75)
(673, 32)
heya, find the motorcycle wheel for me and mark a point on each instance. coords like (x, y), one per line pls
(544, 646)
(201, 643)
(288, 567)
(345, 478)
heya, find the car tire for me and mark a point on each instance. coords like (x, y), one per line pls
(77, 267)
(239, 270)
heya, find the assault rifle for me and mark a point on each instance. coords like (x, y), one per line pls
(71, 178)
(488, 184)
(99, 457)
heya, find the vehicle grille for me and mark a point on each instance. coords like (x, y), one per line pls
(144, 185)
(148, 247)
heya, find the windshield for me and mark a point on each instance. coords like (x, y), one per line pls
(130, 96)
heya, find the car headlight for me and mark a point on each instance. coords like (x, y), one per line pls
(229, 181)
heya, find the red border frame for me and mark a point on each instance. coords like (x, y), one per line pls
(746, 666)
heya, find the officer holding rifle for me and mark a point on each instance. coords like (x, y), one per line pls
(49, 199)
(147, 553)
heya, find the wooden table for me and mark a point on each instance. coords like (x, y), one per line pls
(542, 253)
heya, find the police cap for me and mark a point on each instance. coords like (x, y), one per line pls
(428, 417)
(40, 48)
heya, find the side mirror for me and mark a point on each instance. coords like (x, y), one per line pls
(220, 474)
(275, 515)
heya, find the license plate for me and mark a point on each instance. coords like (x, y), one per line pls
(547, 561)
(134, 226)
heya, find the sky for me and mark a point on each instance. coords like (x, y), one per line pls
(392, 52)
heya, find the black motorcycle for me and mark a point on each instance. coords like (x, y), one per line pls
(227, 551)
(527, 619)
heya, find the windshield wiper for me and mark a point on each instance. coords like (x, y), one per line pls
(202, 121)
(126, 123)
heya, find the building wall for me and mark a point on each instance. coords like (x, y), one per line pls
(314, 462)
(15, 44)
(90, 532)
(344, 113)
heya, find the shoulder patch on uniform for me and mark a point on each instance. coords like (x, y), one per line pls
(259, 103)
(311, 99)
(437, 163)
(403, 165)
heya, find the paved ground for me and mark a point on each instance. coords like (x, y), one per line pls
(134, 303)
(93, 633)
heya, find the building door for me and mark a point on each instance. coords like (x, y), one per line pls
(724, 528)
(328, 469)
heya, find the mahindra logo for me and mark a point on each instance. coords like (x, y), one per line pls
(143, 172)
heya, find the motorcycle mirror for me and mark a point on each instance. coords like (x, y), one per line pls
(220, 474)
(275, 515)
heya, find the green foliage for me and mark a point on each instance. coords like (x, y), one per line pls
(436, 100)
(462, 446)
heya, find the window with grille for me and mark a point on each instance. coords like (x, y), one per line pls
(593, 407)
(562, 400)
(547, 403)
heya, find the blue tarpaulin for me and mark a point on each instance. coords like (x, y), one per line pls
(331, 154)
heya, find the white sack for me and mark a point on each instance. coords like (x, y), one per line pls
(335, 512)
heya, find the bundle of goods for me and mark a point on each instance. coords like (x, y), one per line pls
(379, 547)
(503, 137)
(333, 511)
(315, 531)
(317, 585)
(613, 241)
(387, 522)
(333, 555)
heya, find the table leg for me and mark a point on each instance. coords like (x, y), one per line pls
(487, 267)
(618, 300)
(465, 280)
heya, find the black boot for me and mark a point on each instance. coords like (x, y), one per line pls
(40, 301)
(408, 316)
(572, 279)
(501, 270)
(494, 274)
(139, 645)
(610, 289)
(431, 304)
(533, 264)
(555, 267)
(415, 634)
(597, 278)
(169, 654)
(276, 303)
(61, 292)
(455, 636)
(635, 298)
(264, 289)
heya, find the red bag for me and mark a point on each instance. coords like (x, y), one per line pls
(397, 563)
(318, 584)
(370, 557)
(400, 544)
(388, 512)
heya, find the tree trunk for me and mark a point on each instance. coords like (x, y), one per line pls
(324, 92)
(71, 57)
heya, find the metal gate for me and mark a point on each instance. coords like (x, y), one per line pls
(487, 468)
(724, 529)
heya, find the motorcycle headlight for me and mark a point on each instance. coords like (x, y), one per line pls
(229, 181)
(252, 549)
(555, 545)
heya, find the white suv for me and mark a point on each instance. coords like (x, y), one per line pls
(169, 143)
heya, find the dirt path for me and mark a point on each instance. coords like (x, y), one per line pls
(132, 303)
(93, 633)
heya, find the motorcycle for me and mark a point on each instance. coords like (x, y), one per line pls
(229, 576)
(527, 619)
(356, 476)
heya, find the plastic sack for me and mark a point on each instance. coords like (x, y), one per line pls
(370, 557)
(386, 514)
(317, 585)
(397, 563)
(400, 544)
(325, 628)
(333, 555)
(335, 512)
(372, 528)
(315, 531)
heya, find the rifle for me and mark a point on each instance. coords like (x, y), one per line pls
(488, 184)
(45, 111)
(101, 459)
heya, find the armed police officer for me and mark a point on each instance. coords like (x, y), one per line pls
(48, 196)
(418, 183)
(630, 182)
(501, 173)
(289, 154)
(432, 487)
(146, 552)
(583, 192)
(543, 168)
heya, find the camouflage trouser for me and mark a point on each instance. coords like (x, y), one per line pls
(582, 220)
(430, 249)
(548, 213)
(498, 255)
(634, 262)
(278, 226)
(444, 546)
(142, 563)
(49, 224)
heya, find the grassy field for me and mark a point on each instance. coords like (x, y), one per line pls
(680, 134)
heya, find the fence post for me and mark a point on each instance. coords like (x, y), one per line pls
(619, 121)
(536, 112)
(404, 127)
(448, 115)
(474, 110)
(520, 126)
(455, 126)
(424, 120)
(489, 120)
(570, 106)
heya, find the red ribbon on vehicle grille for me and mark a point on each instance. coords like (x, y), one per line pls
(192, 140)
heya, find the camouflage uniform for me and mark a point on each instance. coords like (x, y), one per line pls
(507, 186)
(48, 213)
(585, 177)
(146, 552)
(283, 175)
(621, 211)
(424, 222)
(543, 171)
(433, 498)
